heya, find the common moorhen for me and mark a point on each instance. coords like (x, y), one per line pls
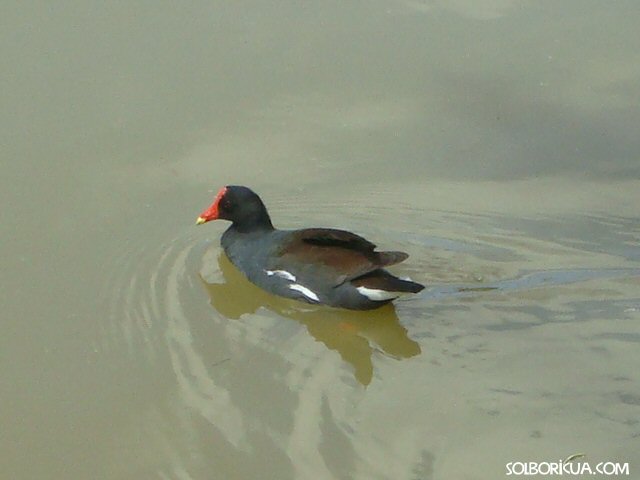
(315, 265)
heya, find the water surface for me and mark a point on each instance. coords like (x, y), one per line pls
(495, 142)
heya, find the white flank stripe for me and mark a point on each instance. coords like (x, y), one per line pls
(379, 295)
(282, 274)
(305, 291)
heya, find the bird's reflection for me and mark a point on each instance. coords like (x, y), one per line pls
(355, 335)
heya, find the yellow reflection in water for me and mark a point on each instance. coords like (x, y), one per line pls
(354, 335)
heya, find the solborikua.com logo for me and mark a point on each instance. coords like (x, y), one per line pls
(567, 467)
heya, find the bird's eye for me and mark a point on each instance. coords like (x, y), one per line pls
(227, 205)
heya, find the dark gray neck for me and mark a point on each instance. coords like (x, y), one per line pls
(258, 223)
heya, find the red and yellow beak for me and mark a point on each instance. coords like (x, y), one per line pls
(211, 213)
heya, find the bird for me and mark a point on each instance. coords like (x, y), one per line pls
(323, 266)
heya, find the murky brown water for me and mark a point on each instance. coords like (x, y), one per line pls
(496, 142)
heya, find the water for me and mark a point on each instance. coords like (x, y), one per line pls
(495, 142)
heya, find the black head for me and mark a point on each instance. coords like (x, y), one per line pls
(241, 206)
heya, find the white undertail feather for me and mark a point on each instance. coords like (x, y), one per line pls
(379, 295)
(305, 291)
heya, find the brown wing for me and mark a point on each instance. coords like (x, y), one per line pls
(330, 237)
(338, 255)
